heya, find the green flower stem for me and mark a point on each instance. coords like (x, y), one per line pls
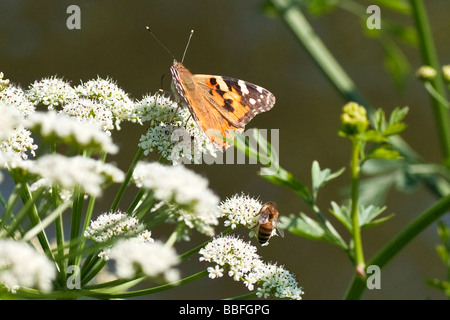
(245, 296)
(78, 199)
(101, 295)
(356, 234)
(382, 257)
(128, 176)
(430, 58)
(296, 21)
(95, 266)
(33, 215)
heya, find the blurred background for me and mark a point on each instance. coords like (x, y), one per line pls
(236, 38)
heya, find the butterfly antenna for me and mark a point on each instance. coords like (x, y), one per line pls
(160, 43)
(187, 45)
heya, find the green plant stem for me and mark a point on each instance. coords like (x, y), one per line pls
(297, 23)
(78, 199)
(430, 58)
(356, 234)
(382, 257)
(128, 176)
(130, 294)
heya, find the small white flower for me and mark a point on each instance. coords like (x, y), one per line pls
(69, 172)
(215, 272)
(172, 131)
(22, 266)
(240, 209)
(115, 224)
(51, 92)
(81, 134)
(153, 259)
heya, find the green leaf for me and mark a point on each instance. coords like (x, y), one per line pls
(366, 215)
(321, 177)
(303, 226)
(342, 214)
(306, 227)
(384, 151)
(394, 129)
(398, 114)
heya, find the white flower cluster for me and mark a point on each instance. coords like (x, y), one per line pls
(52, 92)
(22, 266)
(106, 92)
(176, 184)
(83, 135)
(187, 194)
(91, 112)
(14, 96)
(244, 264)
(14, 137)
(153, 259)
(172, 131)
(99, 102)
(70, 172)
(111, 225)
(240, 209)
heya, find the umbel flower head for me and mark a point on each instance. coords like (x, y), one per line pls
(353, 120)
(240, 209)
(22, 266)
(52, 92)
(111, 225)
(153, 259)
(186, 194)
(70, 172)
(242, 262)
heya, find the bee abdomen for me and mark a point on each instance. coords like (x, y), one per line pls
(264, 233)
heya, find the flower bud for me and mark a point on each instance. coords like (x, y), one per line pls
(354, 119)
(426, 73)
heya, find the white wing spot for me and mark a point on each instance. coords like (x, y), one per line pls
(252, 101)
(244, 89)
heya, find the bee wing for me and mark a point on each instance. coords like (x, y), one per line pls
(263, 219)
(280, 231)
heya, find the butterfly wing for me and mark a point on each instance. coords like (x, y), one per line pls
(219, 104)
(237, 101)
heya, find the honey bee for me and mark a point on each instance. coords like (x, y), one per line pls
(268, 217)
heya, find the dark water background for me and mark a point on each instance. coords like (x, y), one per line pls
(234, 38)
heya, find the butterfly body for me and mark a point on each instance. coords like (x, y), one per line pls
(219, 104)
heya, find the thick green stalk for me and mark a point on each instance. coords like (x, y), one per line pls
(356, 234)
(430, 58)
(390, 250)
